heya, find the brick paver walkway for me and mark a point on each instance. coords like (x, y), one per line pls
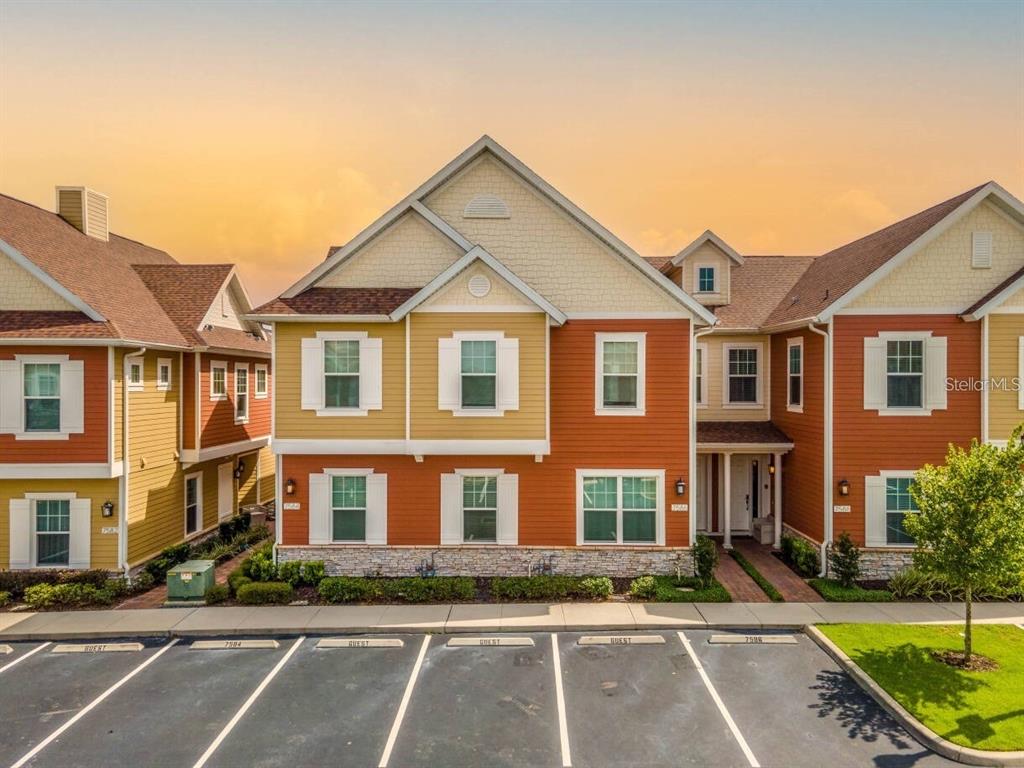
(793, 588)
(740, 587)
(157, 596)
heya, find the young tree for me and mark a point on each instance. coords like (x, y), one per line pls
(970, 529)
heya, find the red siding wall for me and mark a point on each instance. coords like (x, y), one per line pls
(217, 418)
(90, 446)
(865, 442)
(188, 401)
(579, 439)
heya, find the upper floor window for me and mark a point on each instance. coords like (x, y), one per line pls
(706, 279)
(341, 374)
(905, 373)
(218, 380)
(742, 375)
(42, 397)
(261, 382)
(163, 374)
(479, 373)
(241, 393)
(904, 366)
(795, 362)
(698, 375)
(620, 373)
(135, 381)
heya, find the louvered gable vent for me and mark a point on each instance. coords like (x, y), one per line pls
(486, 207)
(981, 250)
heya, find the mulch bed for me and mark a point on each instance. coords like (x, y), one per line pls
(976, 663)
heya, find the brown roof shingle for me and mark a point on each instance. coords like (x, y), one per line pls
(710, 432)
(339, 301)
(757, 286)
(52, 325)
(185, 291)
(995, 292)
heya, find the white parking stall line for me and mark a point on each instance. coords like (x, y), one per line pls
(719, 703)
(24, 656)
(248, 703)
(400, 715)
(563, 727)
(91, 705)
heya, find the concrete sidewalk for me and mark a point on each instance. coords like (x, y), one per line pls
(504, 617)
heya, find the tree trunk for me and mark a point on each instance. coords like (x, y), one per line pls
(967, 623)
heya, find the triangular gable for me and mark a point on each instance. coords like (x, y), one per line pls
(707, 237)
(55, 287)
(230, 307)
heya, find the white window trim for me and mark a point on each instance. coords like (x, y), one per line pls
(137, 386)
(464, 473)
(696, 278)
(221, 365)
(1020, 372)
(497, 337)
(659, 534)
(922, 336)
(797, 341)
(702, 349)
(337, 336)
(346, 472)
(258, 394)
(887, 474)
(199, 501)
(600, 409)
(33, 542)
(759, 403)
(164, 362)
(248, 393)
(24, 434)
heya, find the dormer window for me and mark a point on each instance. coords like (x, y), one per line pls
(705, 279)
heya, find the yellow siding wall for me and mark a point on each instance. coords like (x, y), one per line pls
(245, 486)
(1004, 414)
(430, 423)
(103, 547)
(293, 422)
(713, 366)
(268, 470)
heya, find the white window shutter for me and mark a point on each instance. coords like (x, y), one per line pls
(448, 369)
(20, 529)
(319, 509)
(371, 362)
(451, 509)
(72, 397)
(312, 374)
(874, 374)
(874, 511)
(12, 419)
(508, 374)
(1020, 372)
(935, 372)
(376, 509)
(508, 509)
(81, 533)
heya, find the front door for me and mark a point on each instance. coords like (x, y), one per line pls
(742, 491)
(225, 491)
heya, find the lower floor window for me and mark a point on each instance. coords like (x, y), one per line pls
(480, 509)
(193, 505)
(53, 531)
(620, 509)
(898, 504)
(348, 508)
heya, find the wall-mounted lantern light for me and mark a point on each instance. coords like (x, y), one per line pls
(289, 487)
(680, 487)
(239, 469)
(107, 509)
(844, 487)
(771, 469)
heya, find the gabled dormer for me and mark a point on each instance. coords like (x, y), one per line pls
(704, 269)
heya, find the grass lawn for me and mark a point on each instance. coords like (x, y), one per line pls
(984, 710)
(835, 592)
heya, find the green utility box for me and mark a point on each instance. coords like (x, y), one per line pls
(190, 580)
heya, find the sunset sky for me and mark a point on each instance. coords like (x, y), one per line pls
(261, 133)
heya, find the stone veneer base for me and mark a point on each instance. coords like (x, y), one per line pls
(876, 564)
(348, 560)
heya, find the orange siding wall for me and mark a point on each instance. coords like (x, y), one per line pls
(579, 439)
(803, 468)
(188, 400)
(865, 442)
(217, 418)
(88, 447)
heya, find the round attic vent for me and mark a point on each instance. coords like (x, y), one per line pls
(479, 286)
(486, 207)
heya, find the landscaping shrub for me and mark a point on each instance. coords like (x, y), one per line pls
(802, 555)
(5, 599)
(705, 559)
(142, 582)
(67, 595)
(259, 566)
(218, 593)
(170, 557)
(595, 587)
(687, 589)
(835, 592)
(644, 587)
(237, 580)
(290, 571)
(844, 560)
(349, 589)
(512, 588)
(914, 584)
(313, 572)
(16, 582)
(439, 589)
(266, 593)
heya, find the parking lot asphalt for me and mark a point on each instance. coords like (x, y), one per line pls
(537, 699)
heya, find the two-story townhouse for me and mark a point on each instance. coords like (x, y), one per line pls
(485, 381)
(114, 442)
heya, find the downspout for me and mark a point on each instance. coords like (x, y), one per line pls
(122, 523)
(827, 335)
(692, 465)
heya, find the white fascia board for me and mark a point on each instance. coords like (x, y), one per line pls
(55, 471)
(990, 189)
(192, 456)
(321, 318)
(233, 351)
(478, 253)
(708, 237)
(54, 285)
(442, 226)
(413, 447)
(996, 301)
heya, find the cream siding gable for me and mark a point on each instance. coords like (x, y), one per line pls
(1014, 302)
(226, 311)
(544, 246)
(456, 295)
(940, 275)
(408, 254)
(707, 255)
(20, 290)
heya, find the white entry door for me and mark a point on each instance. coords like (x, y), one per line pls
(741, 492)
(225, 491)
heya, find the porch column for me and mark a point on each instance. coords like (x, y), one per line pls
(727, 499)
(778, 501)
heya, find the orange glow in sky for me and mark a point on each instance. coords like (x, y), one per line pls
(263, 133)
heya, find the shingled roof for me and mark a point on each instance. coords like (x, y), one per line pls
(339, 301)
(757, 287)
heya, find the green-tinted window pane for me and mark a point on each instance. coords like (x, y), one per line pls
(794, 390)
(894, 531)
(53, 526)
(904, 391)
(479, 391)
(638, 526)
(599, 525)
(706, 279)
(42, 415)
(348, 492)
(479, 357)
(42, 380)
(639, 493)
(620, 391)
(349, 525)
(794, 359)
(480, 525)
(904, 356)
(341, 391)
(600, 492)
(743, 362)
(341, 357)
(897, 494)
(620, 357)
(480, 492)
(742, 389)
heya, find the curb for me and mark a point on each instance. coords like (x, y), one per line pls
(927, 737)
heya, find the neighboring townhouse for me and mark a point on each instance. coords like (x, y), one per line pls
(134, 392)
(485, 381)
(829, 381)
